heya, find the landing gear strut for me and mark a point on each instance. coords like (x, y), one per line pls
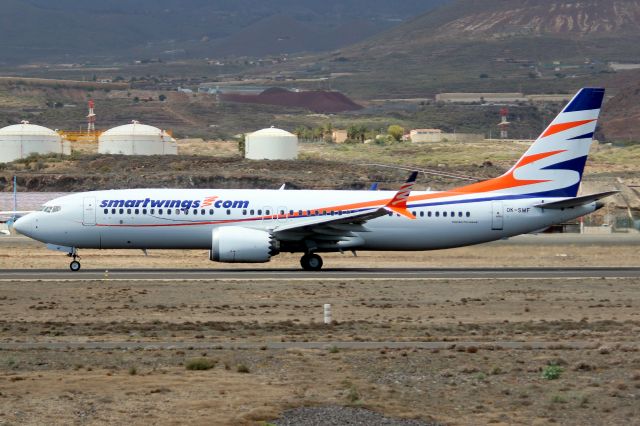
(74, 265)
(311, 262)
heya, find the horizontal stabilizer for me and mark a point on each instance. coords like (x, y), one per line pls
(576, 201)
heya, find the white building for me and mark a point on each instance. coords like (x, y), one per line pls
(137, 139)
(271, 144)
(20, 140)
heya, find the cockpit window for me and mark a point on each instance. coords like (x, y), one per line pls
(51, 209)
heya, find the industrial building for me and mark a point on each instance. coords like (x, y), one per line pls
(20, 140)
(137, 139)
(271, 144)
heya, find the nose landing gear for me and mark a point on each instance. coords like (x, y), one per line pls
(311, 262)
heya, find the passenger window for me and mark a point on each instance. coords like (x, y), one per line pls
(169, 211)
(437, 214)
(259, 212)
(459, 214)
(177, 212)
(228, 212)
(121, 211)
(267, 212)
(453, 214)
(195, 212)
(137, 211)
(211, 212)
(444, 214)
(244, 212)
(281, 212)
(128, 211)
(144, 211)
(299, 212)
(113, 211)
(468, 214)
(106, 211)
(414, 214)
(152, 211)
(203, 212)
(159, 211)
(421, 214)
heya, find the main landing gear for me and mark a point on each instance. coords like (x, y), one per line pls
(74, 265)
(311, 262)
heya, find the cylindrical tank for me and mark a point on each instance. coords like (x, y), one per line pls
(21, 140)
(137, 139)
(271, 144)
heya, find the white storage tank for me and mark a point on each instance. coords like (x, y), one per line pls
(137, 139)
(20, 140)
(271, 144)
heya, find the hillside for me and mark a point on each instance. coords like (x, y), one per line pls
(621, 116)
(492, 45)
(108, 30)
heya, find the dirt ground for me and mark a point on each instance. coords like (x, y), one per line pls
(466, 384)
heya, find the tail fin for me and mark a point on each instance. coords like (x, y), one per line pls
(553, 165)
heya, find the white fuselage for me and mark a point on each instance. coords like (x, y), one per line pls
(150, 218)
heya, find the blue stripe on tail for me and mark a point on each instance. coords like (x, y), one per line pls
(586, 99)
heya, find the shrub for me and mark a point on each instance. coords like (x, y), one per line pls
(133, 371)
(552, 372)
(241, 368)
(200, 364)
(334, 350)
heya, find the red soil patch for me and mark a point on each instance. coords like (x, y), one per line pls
(316, 100)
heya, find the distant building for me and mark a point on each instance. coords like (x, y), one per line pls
(425, 135)
(339, 136)
(480, 97)
(271, 144)
(437, 135)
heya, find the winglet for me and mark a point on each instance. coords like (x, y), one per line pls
(398, 203)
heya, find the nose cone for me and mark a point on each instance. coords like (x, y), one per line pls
(24, 226)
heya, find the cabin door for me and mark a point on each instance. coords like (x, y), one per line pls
(89, 211)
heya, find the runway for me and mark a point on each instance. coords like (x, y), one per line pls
(327, 274)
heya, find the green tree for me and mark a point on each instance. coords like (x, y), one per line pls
(396, 132)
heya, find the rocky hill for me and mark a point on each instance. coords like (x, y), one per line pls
(515, 45)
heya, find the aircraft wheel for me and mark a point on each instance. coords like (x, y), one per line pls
(311, 262)
(74, 266)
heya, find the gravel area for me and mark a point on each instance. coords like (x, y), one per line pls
(338, 416)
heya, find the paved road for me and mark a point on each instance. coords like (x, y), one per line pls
(328, 274)
(165, 345)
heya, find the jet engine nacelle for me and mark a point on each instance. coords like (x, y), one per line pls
(235, 244)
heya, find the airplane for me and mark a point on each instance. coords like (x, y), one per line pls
(252, 226)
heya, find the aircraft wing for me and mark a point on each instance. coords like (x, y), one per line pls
(10, 214)
(343, 225)
(576, 201)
